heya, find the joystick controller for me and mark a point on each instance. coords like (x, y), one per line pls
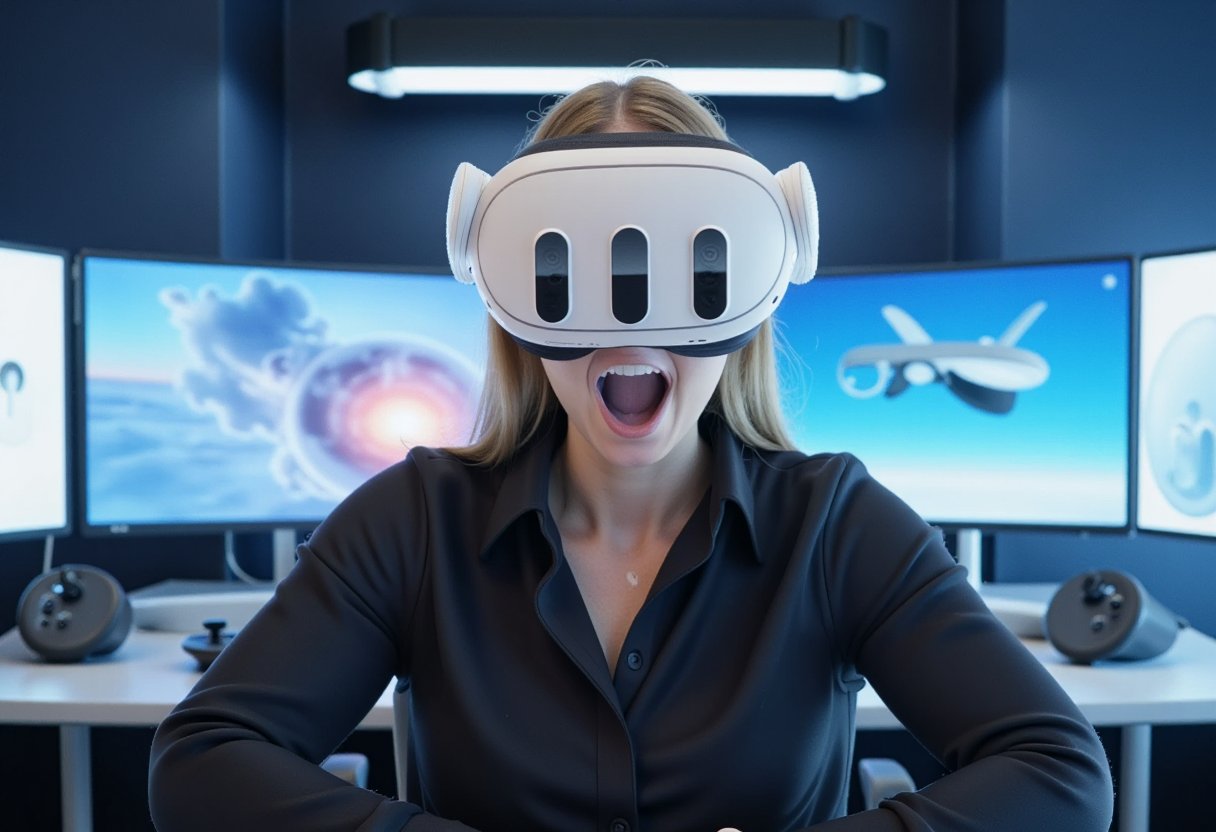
(206, 646)
(74, 612)
(1109, 615)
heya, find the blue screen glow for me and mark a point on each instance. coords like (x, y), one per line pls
(230, 395)
(983, 396)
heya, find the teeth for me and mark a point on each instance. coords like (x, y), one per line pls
(629, 370)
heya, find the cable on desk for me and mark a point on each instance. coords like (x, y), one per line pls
(231, 561)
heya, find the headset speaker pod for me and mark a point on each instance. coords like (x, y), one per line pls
(74, 612)
(795, 183)
(467, 185)
(1109, 615)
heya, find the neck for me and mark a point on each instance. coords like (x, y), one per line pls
(591, 498)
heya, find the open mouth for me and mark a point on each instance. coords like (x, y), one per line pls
(632, 394)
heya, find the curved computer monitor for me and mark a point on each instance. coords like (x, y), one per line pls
(985, 395)
(1176, 453)
(247, 396)
(34, 457)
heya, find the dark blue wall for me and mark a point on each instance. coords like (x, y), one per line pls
(1111, 125)
(252, 162)
(110, 124)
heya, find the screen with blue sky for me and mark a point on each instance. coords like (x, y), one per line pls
(33, 392)
(228, 395)
(1177, 447)
(983, 396)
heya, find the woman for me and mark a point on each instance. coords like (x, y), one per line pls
(630, 605)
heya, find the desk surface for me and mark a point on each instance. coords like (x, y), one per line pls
(137, 684)
(1177, 687)
(141, 681)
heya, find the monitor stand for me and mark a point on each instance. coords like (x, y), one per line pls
(969, 552)
(284, 552)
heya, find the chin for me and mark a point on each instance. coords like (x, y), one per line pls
(640, 446)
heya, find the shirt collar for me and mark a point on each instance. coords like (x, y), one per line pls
(524, 488)
(731, 481)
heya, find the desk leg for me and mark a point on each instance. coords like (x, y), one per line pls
(75, 778)
(1135, 777)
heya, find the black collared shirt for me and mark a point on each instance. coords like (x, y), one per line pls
(732, 704)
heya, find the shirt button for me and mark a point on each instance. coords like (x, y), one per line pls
(619, 825)
(634, 660)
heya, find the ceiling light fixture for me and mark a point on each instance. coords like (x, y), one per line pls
(396, 56)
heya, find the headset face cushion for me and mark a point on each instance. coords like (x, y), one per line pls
(692, 350)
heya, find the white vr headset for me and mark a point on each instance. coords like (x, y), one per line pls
(632, 239)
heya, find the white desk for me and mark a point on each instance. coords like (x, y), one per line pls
(140, 683)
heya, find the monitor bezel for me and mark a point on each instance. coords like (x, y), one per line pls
(1137, 527)
(1126, 259)
(69, 456)
(97, 530)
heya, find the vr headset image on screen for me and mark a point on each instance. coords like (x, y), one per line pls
(581, 242)
(229, 395)
(33, 392)
(986, 374)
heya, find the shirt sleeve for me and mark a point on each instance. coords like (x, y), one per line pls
(1018, 752)
(240, 752)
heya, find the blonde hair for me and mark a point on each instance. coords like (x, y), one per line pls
(517, 400)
